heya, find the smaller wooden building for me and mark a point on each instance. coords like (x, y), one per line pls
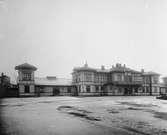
(29, 85)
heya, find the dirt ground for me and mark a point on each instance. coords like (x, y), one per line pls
(119, 115)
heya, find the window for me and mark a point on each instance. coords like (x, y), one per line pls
(87, 88)
(69, 90)
(79, 89)
(118, 77)
(136, 90)
(155, 80)
(97, 88)
(155, 89)
(56, 91)
(27, 89)
(147, 89)
(88, 77)
(143, 90)
(120, 90)
(26, 76)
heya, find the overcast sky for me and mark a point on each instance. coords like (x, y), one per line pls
(57, 35)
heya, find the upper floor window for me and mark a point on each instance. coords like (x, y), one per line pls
(26, 76)
(88, 77)
(155, 80)
(118, 77)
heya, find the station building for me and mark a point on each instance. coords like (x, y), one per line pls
(86, 81)
(119, 80)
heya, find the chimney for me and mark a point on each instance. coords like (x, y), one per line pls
(124, 65)
(102, 67)
(142, 70)
(86, 64)
(2, 74)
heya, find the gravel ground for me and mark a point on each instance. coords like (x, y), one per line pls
(113, 115)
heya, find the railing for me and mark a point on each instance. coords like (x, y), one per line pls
(128, 83)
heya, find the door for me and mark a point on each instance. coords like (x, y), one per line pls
(56, 92)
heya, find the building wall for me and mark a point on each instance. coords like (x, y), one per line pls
(26, 79)
(56, 90)
(22, 90)
(83, 79)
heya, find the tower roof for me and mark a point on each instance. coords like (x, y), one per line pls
(25, 66)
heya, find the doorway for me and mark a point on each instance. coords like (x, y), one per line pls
(128, 91)
(27, 89)
(56, 92)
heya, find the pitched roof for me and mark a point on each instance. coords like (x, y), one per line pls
(84, 69)
(53, 81)
(117, 68)
(25, 66)
(150, 73)
(102, 70)
(122, 69)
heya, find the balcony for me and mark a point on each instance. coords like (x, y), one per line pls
(127, 82)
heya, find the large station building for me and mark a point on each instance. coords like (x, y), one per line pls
(87, 81)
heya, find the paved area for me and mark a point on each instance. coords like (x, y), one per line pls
(126, 115)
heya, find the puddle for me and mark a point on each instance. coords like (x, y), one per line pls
(81, 115)
(113, 111)
(78, 112)
(135, 130)
(3, 105)
(137, 105)
(133, 108)
(160, 115)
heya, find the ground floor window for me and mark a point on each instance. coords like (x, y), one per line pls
(79, 88)
(97, 88)
(143, 90)
(69, 90)
(147, 89)
(87, 88)
(136, 90)
(56, 91)
(155, 89)
(120, 90)
(27, 89)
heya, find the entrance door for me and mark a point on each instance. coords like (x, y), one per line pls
(56, 92)
(27, 89)
(128, 91)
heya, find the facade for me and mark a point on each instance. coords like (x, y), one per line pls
(53, 86)
(119, 80)
(86, 81)
(29, 85)
(26, 79)
(163, 88)
(4, 84)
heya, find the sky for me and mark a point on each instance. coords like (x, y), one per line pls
(58, 35)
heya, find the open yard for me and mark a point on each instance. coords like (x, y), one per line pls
(124, 115)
